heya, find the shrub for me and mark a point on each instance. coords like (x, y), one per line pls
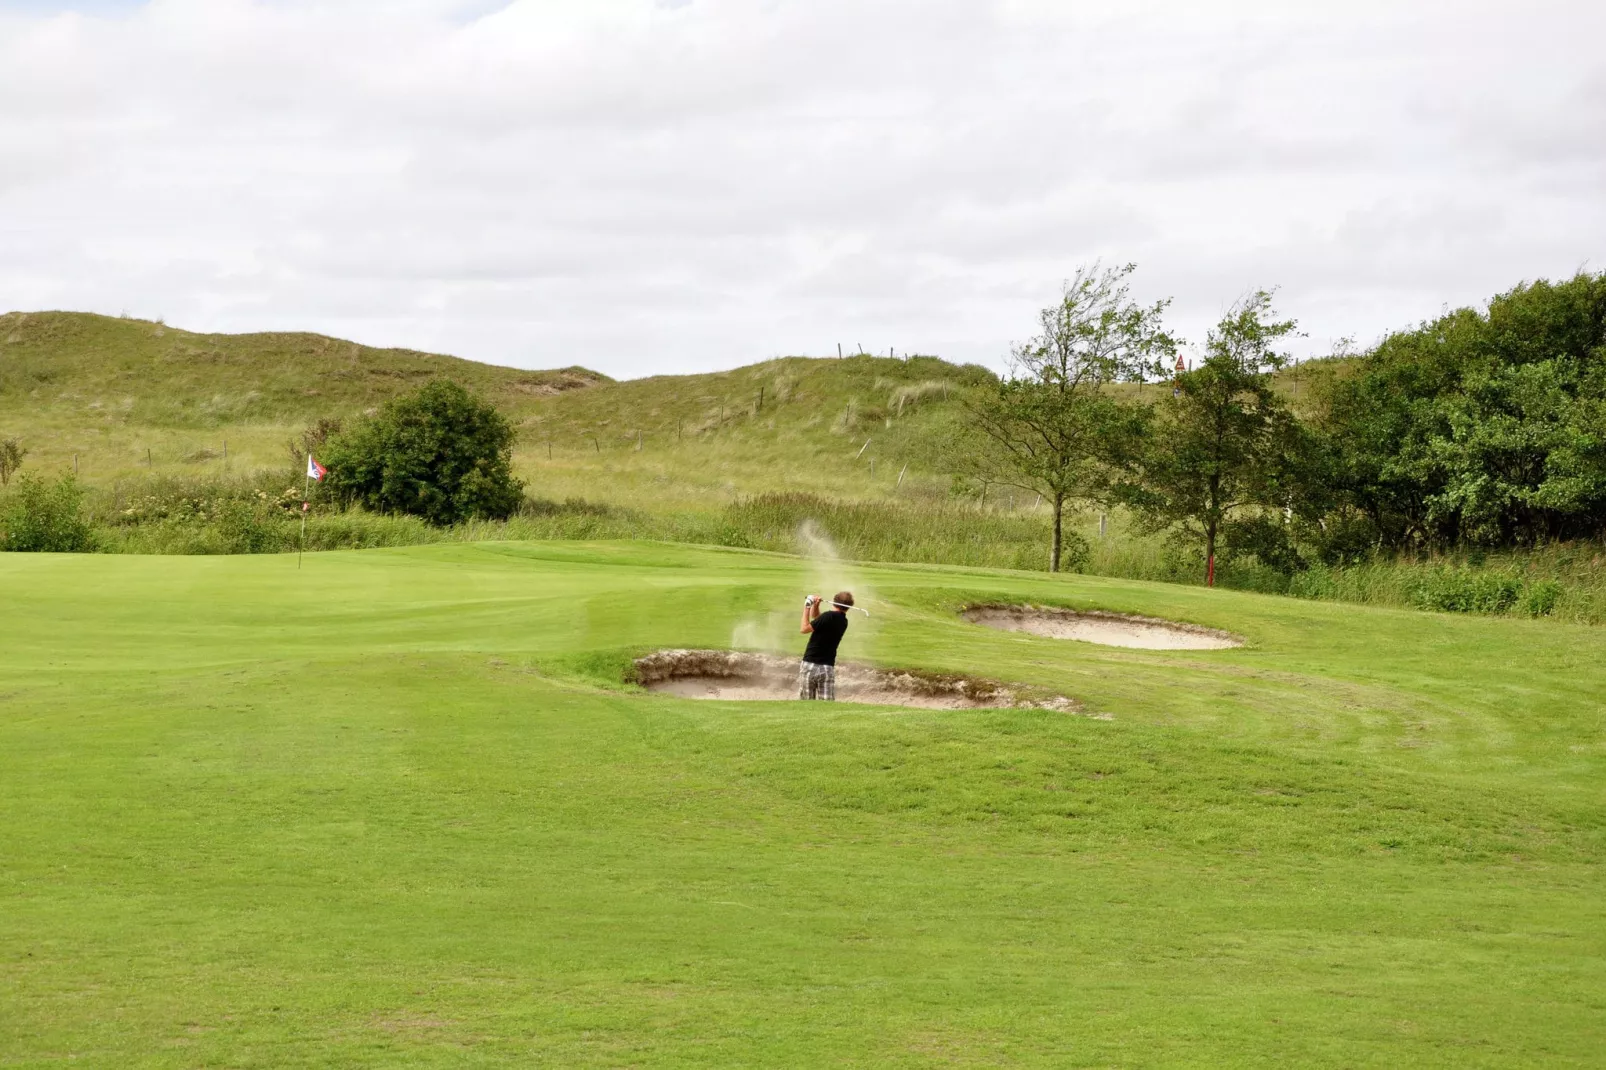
(438, 453)
(1452, 590)
(45, 517)
(1539, 598)
(11, 455)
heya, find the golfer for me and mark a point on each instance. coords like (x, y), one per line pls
(816, 677)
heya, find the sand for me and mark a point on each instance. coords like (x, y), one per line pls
(736, 676)
(1097, 626)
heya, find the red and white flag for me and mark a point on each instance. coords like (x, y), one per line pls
(315, 470)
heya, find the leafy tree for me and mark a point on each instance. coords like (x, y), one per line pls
(45, 517)
(439, 453)
(11, 455)
(1487, 427)
(1050, 427)
(1224, 440)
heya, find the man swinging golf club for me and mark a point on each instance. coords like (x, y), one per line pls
(816, 677)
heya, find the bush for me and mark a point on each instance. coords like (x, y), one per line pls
(1453, 590)
(45, 517)
(1539, 598)
(438, 453)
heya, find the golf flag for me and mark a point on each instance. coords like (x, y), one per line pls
(315, 470)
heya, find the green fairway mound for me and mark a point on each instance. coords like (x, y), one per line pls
(1098, 626)
(735, 676)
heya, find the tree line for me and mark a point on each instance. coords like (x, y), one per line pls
(1483, 428)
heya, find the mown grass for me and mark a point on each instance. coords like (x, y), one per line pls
(396, 808)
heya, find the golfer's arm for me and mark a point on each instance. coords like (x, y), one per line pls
(809, 613)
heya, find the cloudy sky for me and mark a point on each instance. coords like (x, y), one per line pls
(683, 185)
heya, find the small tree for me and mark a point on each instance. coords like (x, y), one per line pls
(11, 455)
(42, 517)
(439, 453)
(1049, 426)
(1224, 439)
(312, 440)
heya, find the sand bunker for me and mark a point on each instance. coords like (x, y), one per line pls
(735, 676)
(1097, 626)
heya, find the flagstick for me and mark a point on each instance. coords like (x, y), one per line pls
(306, 493)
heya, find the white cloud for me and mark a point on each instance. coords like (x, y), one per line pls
(649, 187)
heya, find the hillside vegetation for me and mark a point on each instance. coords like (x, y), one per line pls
(132, 399)
(130, 396)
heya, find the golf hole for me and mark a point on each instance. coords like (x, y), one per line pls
(1097, 626)
(735, 676)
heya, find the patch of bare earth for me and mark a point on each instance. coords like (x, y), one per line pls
(1098, 626)
(736, 676)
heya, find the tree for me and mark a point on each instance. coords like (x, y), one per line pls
(1223, 440)
(1481, 426)
(1049, 426)
(439, 453)
(11, 455)
(311, 441)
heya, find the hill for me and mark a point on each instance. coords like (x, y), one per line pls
(129, 395)
(125, 398)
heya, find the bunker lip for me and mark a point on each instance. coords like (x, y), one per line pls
(738, 676)
(1100, 626)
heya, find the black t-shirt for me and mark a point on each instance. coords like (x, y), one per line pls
(827, 636)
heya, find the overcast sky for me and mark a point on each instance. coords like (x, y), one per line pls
(648, 187)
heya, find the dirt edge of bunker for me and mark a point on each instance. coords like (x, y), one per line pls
(749, 675)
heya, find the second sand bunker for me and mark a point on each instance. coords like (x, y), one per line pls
(737, 676)
(1097, 626)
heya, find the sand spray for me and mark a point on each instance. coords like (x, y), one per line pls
(775, 629)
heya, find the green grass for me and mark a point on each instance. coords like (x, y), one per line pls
(394, 808)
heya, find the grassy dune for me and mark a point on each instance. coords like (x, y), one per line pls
(397, 808)
(132, 398)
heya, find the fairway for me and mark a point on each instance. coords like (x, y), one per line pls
(398, 807)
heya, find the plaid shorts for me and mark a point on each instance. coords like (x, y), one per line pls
(816, 681)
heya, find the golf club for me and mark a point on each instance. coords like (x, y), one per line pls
(839, 605)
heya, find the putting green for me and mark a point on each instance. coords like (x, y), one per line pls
(395, 808)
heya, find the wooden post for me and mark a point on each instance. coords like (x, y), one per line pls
(147, 456)
(839, 351)
(1103, 520)
(75, 464)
